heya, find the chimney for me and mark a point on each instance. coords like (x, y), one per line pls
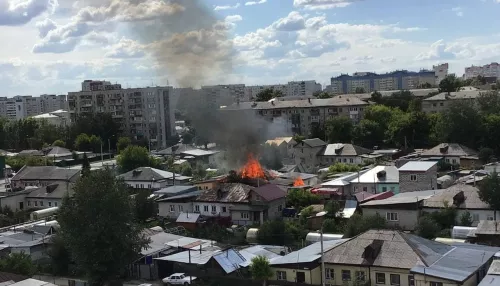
(309, 100)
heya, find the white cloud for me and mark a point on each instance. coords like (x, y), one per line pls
(322, 4)
(45, 26)
(233, 18)
(126, 48)
(388, 60)
(293, 22)
(20, 12)
(227, 7)
(458, 11)
(251, 3)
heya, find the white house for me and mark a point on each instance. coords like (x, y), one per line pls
(342, 153)
(153, 179)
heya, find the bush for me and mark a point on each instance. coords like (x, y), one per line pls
(427, 227)
(358, 224)
(343, 167)
(466, 219)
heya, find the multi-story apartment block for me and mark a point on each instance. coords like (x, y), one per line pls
(27, 106)
(300, 116)
(19, 107)
(252, 91)
(52, 102)
(143, 113)
(390, 81)
(490, 70)
(8, 108)
(216, 96)
(95, 85)
(441, 72)
(303, 88)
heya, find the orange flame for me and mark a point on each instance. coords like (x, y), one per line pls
(252, 169)
(298, 182)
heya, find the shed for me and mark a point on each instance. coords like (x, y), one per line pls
(188, 220)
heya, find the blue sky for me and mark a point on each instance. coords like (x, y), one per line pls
(50, 46)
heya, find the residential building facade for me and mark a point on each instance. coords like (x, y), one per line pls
(418, 176)
(442, 102)
(52, 102)
(300, 116)
(215, 96)
(441, 72)
(342, 153)
(306, 153)
(285, 146)
(454, 154)
(379, 179)
(369, 82)
(489, 70)
(41, 176)
(152, 179)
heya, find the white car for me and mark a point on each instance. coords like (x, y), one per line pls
(178, 279)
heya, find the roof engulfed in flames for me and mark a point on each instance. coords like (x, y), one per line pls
(298, 182)
(252, 169)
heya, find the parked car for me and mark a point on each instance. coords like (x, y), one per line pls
(178, 279)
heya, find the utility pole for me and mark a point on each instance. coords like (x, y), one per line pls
(322, 259)
(190, 279)
(102, 158)
(109, 148)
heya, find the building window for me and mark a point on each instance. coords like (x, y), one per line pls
(244, 215)
(380, 278)
(36, 204)
(50, 204)
(29, 203)
(214, 209)
(411, 280)
(280, 208)
(346, 275)
(330, 273)
(351, 160)
(395, 279)
(413, 177)
(55, 204)
(360, 276)
(391, 216)
(41, 203)
(205, 208)
(197, 208)
(224, 209)
(181, 208)
(280, 275)
(172, 208)
(475, 217)
(432, 283)
(489, 217)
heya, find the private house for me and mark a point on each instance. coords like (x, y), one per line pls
(340, 186)
(377, 180)
(486, 233)
(401, 211)
(199, 155)
(172, 207)
(48, 196)
(41, 176)
(308, 179)
(388, 257)
(244, 204)
(442, 101)
(342, 153)
(152, 179)
(285, 146)
(454, 154)
(417, 176)
(306, 153)
(302, 266)
(210, 183)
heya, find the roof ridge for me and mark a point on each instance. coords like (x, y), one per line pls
(403, 235)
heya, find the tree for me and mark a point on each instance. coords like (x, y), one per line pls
(82, 142)
(330, 226)
(123, 143)
(486, 155)
(134, 157)
(368, 133)
(98, 227)
(461, 124)
(261, 269)
(339, 129)
(489, 191)
(59, 256)
(449, 84)
(358, 224)
(491, 127)
(427, 227)
(299, 199)
(144, 206)
(466, 219)
(95, 144)
(59, 143)
(489, 102)
(18, 263)
(342, 168)
(322, 95)
(359, 90)
(273, 232)
(85, 165)
(268, 94)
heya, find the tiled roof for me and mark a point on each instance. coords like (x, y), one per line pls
(55, 191)
(313, 142)
(450, 149)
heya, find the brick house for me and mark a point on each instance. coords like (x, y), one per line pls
(418, 176)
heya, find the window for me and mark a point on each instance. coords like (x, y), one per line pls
(224, 209)
(41, 203)
(380, 278)
(197, 208)
(434, 105)
(244, 215)
(391, 216)
(280, 208)
(330, 273)
(360, 276)
(351, 160)
(441, 104)
(475, 217)
(280, 275)
(489, 217)
(50, 204)
(214, 209)
(29, 203)
(55, 204)
(172, 208)
(432, 283)
(149, 186)
(395, 279)
(411, 280)
(181, 208)
(36, 204)
(346, 275)
(413, 177)
(205, 208)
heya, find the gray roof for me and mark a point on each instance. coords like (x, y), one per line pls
(469, 94)
(307, 254)
(180, 197)
(488, 227)
(177, 149)
(229, 260)
(313, 142)
(54, 191)
(295, 175)
(158, 242)
(417, 166)
(471, 194)
(240, 193)
(341, 149)
(268, 251)
(147, 174)
(58, 152)
(30, 153)
(450, 149)
(416, 92)
(188, 217)
(195, 257)
(403, 198)
(176, 190)
(302, 103)
(32, 282)
(199, 152)
(370, 176)
(32, 173)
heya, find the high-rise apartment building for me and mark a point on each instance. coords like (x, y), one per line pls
(296, 89)
(441, 72)
(52, 102)
(490, 70)
(143, 113)
(251, 91)
(369, 82)
(19, 107)
(215, 96)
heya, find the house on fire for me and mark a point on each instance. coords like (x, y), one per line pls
(244, 204)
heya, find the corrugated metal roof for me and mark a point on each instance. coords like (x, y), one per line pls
(196, 257)
(417, 166)
(370, 176)
(490, 280)
(199, 152)
(307, 254)
(229, 260)
(341, 149)
(349, 208)
(403, 198)
(188, 217)
(450, 149)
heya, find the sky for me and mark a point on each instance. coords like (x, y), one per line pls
(51, 46)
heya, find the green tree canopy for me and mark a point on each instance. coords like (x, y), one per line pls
(427, 227)
(358, 224)
(322, 95)
(82, 142)
(98, 227)
(123, 143)
(268, 94)
(85, 165)
(134, 157)
(273, 232)
(449, 84)
(59, 143)
(461, 124)
(17, 263)
(489, 191)
(261, 268)
(145, 206)
(299, 199)
(339, 129)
